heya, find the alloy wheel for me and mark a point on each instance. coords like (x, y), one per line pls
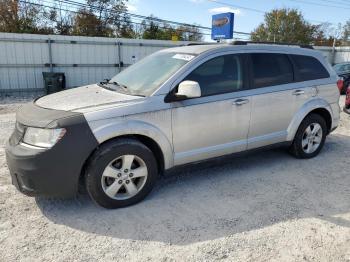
(312, 138)
(124, 177)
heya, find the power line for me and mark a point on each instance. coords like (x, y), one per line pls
(320, 4)
(136, 15)
(73, 3)
(253, 9)
(336, 2)
(132, 22)
(147, 17)
(238, 6)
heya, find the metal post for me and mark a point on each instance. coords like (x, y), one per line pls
(333, 52)
(49, 41)
(119, 57)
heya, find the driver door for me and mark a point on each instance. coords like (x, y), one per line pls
(216, 123)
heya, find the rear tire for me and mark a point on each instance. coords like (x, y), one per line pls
(121, 173)
(310, 137)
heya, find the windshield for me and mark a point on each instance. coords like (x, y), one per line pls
(147, 75)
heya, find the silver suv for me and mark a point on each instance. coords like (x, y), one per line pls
(174, 107)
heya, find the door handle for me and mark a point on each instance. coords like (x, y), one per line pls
(240, 102)
(298, 92)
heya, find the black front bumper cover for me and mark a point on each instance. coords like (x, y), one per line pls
(55, 171)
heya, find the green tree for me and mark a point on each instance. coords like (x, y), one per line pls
(19, 17)
(156, 30)
(152, 29)
(112, 17)
(327, 35)
(61, 20)
(284, 25)
(125, 28)
(107, 18)
(86, 23)
(189, 33)
(346, 31)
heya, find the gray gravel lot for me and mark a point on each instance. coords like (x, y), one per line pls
(266, 206)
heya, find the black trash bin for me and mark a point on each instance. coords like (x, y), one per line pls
(54, 82)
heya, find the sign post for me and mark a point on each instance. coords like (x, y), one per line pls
(222, 26)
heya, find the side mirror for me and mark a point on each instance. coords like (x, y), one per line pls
(188, 89)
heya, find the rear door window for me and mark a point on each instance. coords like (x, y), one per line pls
(308, 68)
(270, 69)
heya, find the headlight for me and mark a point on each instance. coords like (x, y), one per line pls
(43, 137)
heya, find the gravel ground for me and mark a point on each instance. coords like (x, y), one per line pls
(264, 206)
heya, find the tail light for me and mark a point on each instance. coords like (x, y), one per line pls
(340, 84)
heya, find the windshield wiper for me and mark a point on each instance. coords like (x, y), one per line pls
(124, 88)
(105, 81)
(118, 84)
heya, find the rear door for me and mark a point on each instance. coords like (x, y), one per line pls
(274, 98)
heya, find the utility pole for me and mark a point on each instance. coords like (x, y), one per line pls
(333, 51)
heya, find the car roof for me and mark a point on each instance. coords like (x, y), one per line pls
(194, 49)
(203, 48)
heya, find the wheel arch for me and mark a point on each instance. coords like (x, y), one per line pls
(147, 134)
(326, 116)
(147, 141)
(317, 106)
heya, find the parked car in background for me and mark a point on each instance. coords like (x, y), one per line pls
(343, 71)
(347, 101)
(178, 106)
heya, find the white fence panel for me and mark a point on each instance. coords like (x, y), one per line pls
(326, 51)
(342, 54)
(83, 60)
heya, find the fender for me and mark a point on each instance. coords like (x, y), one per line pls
(309, 106)
(135, 127)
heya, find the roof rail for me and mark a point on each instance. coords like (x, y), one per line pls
(271, 43)
(253, 42)
(202, 43)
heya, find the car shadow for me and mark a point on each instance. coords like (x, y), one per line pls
(240, 194)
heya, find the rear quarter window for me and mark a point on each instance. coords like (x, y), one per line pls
(308, 68)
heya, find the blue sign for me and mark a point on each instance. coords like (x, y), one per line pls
(222, 26)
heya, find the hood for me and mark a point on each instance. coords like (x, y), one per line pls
(83, 97)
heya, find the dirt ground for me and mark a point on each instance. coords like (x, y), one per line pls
(266, 206)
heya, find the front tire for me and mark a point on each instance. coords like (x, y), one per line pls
(310, 137)
(121, 173)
